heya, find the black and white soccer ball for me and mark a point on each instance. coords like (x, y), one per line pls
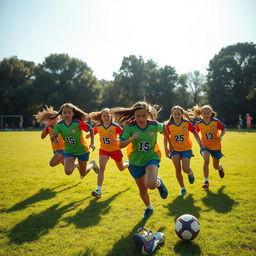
(187, 227)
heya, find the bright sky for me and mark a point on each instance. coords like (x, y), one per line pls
(184, 34)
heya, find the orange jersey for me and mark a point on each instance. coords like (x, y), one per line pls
(179, 134)
(108, 136)
(210, 132)
(58, 143)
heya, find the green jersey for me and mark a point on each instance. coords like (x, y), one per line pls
(73, 136)
(145, 147)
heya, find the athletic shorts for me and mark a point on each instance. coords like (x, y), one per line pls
(183, 154)
(83, 157)
(115, 155)
(59, 151)
(139, 171)
(214, 153)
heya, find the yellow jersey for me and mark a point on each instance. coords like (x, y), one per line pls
(210, 132)
(108, 136)
(179, 134)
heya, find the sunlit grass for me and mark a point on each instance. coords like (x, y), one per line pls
(45, 212)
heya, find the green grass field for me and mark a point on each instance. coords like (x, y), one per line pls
(45, 212)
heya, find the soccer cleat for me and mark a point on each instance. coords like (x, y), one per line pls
(126, 161)
(147, 242)
(95, 166)
(96, 193)
(206, 184)
(221, 172)
(183, 192)
(148, 212)
(162, 189)
(191, 178)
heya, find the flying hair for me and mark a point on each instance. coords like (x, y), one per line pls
(198, 110)
(96, 116)
(125, 115)
(46, 115)
(78, 113)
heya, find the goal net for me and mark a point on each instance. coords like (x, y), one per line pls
(11, 122)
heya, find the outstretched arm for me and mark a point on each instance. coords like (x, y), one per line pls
(53, 135)
(44, 132)
(167, 141)
(92, 139)
(222, 134)
(197, 137)
(124, 143)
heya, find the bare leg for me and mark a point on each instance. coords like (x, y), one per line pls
(151, 176)
(143, 190)
(186, 165)
(216, 163)
(206, 157)
(121, 165)
(56, 159)
(69, 165)
(176, 163)
(102, 161)
(83, 168)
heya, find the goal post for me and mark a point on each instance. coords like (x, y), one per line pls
(11, 122)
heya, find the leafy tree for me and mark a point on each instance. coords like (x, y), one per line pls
(196, 81)
(232, 81)
(16, 78)
(184, 98)
(140, 80)
(63, 79)
(130, 81)
(161, 85)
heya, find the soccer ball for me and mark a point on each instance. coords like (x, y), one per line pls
(187, 227)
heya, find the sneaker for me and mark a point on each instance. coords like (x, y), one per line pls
(126, 162)
(162, 189)
(206, 184)
(147, 242)
(95, 166)
(148, 212)
(183, 192)
(191, 178)
(96, 193)
(221, 172)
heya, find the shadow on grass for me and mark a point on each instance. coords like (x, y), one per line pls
(219, 201)
(187, 248)
(125, 245)
(41, 195)
(37, 225)
(91, 215)
(183, 205)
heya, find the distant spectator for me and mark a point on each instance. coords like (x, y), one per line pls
(248, 121)
(33, 123)
(21, 123)
(240, 123)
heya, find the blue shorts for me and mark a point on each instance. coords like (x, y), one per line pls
(139, 171)
(214, 153)
(83, 157)
(60, 151)
(183, 154)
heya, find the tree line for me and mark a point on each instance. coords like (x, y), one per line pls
(229, 85)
